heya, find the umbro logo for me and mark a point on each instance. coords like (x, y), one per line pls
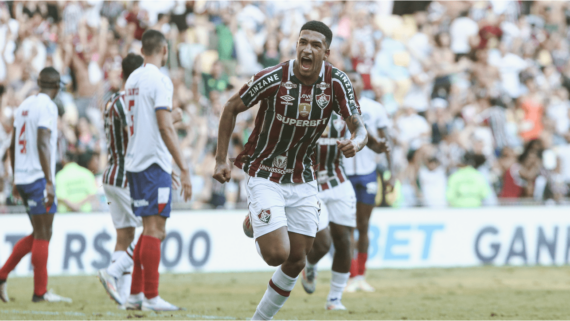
(287, 98)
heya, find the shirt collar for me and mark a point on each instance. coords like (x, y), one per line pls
(150, 66)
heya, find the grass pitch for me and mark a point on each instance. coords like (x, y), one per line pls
(461, 293)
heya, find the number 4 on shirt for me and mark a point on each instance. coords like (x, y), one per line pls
(22, 139)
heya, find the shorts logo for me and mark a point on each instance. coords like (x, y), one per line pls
(32, 203)
(304, 109)
(163, 198)
(265, 216)
(280, 162)
(140, 203)
(323, 100)
(372, 188)
(289, 85)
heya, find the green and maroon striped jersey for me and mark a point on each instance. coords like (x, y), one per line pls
(117, 140)
(330, 170)
(290, 120)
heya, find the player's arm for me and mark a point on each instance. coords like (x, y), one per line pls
(13, 161)
(168, 134)
(383, 134)
(234, 106)
(44, 135)
(358, 139)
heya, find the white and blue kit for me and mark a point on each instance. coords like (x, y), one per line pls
(361, 169)
(148, 161)
(37, 111)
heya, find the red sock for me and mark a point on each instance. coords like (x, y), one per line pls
(137, 276)
(22, 247)
(353, 268)
(150, 261)
(362, 258)
(39, 261)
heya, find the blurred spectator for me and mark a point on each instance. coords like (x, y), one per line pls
(466, 187)
(76, 188)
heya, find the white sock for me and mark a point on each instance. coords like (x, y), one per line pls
(338, 283)
(309, 265)
(124, 286)
(123, 263)
(278, 290)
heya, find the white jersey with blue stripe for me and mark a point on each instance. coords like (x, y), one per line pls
(37, 111)
(147, 90)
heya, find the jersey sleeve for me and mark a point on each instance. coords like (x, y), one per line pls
(120, 108)
(163, 94)
(48, 116)
(347, 103)
(261, 85)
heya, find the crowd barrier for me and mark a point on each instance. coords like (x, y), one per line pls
(213, 241)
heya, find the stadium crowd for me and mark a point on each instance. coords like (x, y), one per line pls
(477, 91)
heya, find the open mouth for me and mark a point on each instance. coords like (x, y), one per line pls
(306, 63)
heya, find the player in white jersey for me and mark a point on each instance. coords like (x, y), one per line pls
(32, 152)
(361, 171)
(153, 144)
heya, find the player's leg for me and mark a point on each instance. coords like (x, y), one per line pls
(116, 279)
(365, 196)
(342, 222)
(321, 247)
(283, 280)
(42, 235)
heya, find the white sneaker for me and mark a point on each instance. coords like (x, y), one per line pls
(334, 304)
(158, 304)
(309, 278)
(110, 284)
(49, 296)
(4, 291)
(352, 285)
(134, 301)
(364, 286)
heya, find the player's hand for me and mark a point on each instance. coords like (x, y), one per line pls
(15, 192)
(175, 181)
(176, 115)
(186, 184)
(347, 147)
(50, 195)
(390, 184)
(222, 172)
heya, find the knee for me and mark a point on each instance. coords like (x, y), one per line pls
(275, 257)
(296, 264)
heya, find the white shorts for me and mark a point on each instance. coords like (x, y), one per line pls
(119, 200)
(338, 206)
(272, 205)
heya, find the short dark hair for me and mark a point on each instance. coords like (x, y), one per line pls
(131, 63)
(319, 27)
(49, 78)
(152, 41)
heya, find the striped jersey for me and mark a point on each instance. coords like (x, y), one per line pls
(290, 120)
(329, 158)
(117, 140)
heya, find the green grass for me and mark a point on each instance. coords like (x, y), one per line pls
(461, 293)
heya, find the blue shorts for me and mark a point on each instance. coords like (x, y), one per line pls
(33, 195)
(365, 187)
(150, 191)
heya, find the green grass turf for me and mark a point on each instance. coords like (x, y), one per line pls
(460, 293)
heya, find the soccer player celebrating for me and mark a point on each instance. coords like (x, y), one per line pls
(152, 146)
(361, 171)
(33, 162)
(297, 99)
(338, 212)
(117, 277)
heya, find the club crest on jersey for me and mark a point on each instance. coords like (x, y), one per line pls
(304, 109)
(323, 100)
(280, 162)
(265, 216)
(323, 85)
(289, 85)
(338, 124)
